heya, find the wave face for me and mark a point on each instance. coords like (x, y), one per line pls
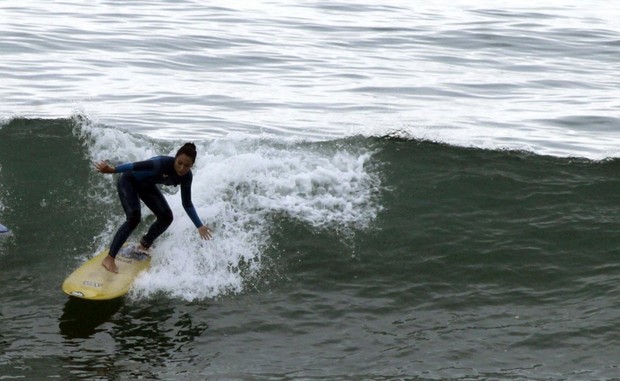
(412, 243)
(511, 214)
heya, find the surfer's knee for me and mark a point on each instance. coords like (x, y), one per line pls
(134, 218)
(166, 217)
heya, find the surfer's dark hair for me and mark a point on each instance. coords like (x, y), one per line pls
(188, 149)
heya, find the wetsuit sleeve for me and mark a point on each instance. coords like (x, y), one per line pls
(147, 165)
(123, 168)
(186, 198)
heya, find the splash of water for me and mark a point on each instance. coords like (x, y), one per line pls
(239, 185)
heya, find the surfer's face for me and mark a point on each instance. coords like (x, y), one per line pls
(183, 164)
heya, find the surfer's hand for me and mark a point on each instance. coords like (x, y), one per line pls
(104, 167)
(205, 232)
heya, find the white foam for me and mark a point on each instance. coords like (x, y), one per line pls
(238, 186)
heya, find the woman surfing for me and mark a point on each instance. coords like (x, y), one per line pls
(139, 182)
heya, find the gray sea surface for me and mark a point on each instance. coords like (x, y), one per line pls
(534, 76)
(399, 190)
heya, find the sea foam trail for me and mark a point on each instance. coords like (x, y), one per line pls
(238, 187)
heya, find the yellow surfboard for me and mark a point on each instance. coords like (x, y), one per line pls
(92, 281)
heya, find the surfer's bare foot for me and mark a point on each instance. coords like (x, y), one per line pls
(109, 264)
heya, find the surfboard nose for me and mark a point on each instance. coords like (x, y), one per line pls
(84, 289)
(92, 281)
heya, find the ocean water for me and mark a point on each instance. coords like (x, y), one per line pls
(398, 190)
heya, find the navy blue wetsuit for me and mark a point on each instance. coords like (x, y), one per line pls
(139, 182)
